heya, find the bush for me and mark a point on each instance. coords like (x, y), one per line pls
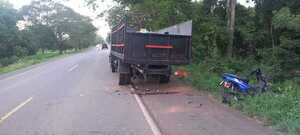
(200, 77)
(7, 61)
(20, 51)
(281, 106)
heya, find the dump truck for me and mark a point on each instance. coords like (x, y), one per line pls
(149, 54)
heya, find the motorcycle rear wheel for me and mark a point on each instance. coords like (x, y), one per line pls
(230, 95)
(227, 96)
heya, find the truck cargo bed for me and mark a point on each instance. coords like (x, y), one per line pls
(152, 48)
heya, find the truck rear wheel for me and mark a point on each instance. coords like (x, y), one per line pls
(113, 68)
(113, 64)
(164, 79)
(124, 79)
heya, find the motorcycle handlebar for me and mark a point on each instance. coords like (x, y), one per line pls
(259, 77)
(258, 74)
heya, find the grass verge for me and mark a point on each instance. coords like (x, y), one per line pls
(279, 107)
(31, 60)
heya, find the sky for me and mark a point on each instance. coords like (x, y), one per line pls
(80, 7)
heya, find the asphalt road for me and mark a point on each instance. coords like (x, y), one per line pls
(78, 95)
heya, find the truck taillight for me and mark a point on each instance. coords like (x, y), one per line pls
(159, 46)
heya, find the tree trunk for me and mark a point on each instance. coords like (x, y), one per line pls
(60, 43)
(60, 48)
(272, 37)
(231, 5)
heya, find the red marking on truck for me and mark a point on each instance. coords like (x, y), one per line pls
(160, 46)
(118, 45)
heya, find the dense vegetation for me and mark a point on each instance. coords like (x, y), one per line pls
(43, 25)
(266, 36)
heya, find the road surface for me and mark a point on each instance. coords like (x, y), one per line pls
(78, 95)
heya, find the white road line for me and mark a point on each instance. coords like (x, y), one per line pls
(154, 128)
(15, 110)
(72, 68)
(17, 75)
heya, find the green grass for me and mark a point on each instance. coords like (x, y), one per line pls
(31, 60)
(200, 78)
(279, 108)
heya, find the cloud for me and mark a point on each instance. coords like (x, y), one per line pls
(247, 3)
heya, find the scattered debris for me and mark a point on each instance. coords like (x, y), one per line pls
(116, 91)
(150, 91)
(200, 105)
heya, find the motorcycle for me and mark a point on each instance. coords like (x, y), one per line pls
(234, 87)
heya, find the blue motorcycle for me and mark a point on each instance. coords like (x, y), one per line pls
(235, 88)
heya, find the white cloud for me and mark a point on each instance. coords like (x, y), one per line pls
(247, 3)
(100, 23)
(19, 3)
(80, 7)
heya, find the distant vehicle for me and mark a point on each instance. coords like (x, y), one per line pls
(104, 46)
(235, 87)
(149, 54)
(98, 47)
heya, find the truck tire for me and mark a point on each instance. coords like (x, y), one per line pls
(124, 79)
(113, 65)
(164, 79)
(113, 69)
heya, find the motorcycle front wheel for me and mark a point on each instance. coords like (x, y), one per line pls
(227, 95)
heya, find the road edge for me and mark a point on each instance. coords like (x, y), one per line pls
(148, 117)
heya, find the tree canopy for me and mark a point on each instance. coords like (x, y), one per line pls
(42, 25)
(264, 35)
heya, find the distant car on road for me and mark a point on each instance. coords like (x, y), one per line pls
(104, 46)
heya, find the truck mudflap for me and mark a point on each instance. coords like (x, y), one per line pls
(123, 68)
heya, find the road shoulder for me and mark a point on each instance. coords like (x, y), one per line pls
(191, 112)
